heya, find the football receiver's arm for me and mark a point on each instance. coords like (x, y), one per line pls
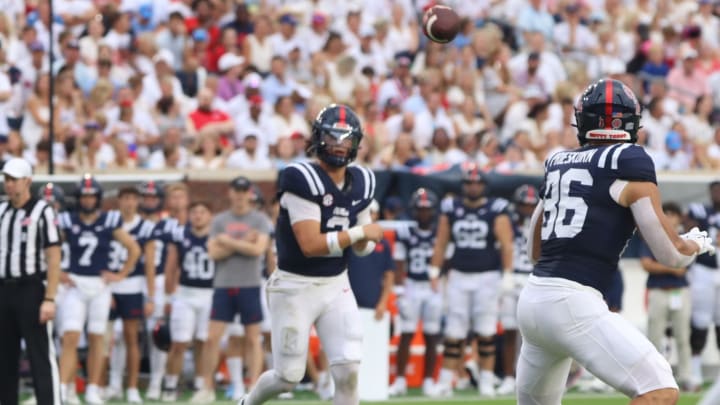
(533, 240)
(217, 251)
(643, 198)
(133, 250)
(441, 241)
(305, 219)
(504, 234)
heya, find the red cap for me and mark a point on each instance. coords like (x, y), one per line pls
(256, 99)
(297, 135)
(126, 103)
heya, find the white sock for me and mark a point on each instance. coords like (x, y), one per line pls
(199, 383)
(92, 389)
(118, 359)
(427, 381)
(400, 380)
(235, 368)
(64, 392)
(171, 382)
(268, 386)
(158, 362)
(446, 376)
(697, 366)
(486, 377)
(268, 360)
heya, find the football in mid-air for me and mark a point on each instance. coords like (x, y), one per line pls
(440, 24)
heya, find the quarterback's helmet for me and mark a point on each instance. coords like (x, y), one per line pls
(336, 123)
(608, 111)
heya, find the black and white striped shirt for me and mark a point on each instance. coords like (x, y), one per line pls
(25, 233)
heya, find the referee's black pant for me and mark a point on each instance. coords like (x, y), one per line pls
(20, 319)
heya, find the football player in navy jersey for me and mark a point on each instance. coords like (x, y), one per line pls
(189, 281)
(481, 232)
(324, 210)
(152, 195)
(419, 302)
(89, 233)
(704, 277)
(592, 200)
(129, 304)
(525, 198)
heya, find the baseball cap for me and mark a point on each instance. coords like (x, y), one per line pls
(673, 141)
(241, 183)
(403, 58)
(37, 46)
(230, 60)
(146, 11)
(318, 18)
(200, 35)
(17, 168)
(3, 138)
(164, 55)
(73, 43)
(288, 19)
(367, 31)
(256, 99)
(252, 80)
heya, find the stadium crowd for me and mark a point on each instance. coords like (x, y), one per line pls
(222, 84)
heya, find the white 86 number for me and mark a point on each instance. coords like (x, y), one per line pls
(558, 202)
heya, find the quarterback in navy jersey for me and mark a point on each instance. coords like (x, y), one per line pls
(324, 211)
(129, 304)
(419, 301)
(480, 266)
(525, 198)
(89, 233)
(591, 201)
(189, 280)
(704, 289)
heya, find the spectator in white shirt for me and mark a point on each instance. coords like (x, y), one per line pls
(673, 157)
(258, 120)
(317, 34)
(208, 153)
(172, 154)
(286, 120)
(286, 38)
(248, 157)
(151, 92)
(657, 124)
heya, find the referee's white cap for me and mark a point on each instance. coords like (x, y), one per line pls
(17, 168)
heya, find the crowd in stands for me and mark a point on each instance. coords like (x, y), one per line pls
(207, 84)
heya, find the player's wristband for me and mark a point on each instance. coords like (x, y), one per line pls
(333, 244)
(356, 233)
(433, 272)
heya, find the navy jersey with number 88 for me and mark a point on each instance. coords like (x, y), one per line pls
(584, 230)
(415, 246)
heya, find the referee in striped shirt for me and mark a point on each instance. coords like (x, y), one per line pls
(29, 254)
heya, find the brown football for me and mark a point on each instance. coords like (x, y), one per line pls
(441, 24)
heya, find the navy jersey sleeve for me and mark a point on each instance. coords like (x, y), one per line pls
(302, 180)
(113, 220)
(697, 212)
(388, 262)
(500, 206)
(644, 251)
(366, 190)
(146, 233)
(631, 162)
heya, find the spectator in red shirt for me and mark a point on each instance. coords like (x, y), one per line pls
(208, 121)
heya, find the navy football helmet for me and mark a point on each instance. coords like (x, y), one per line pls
(608, 111)
(151, 188)
(89, 186)
(336, 123)
(161, 336)
(526, 194)
(423, 205)
(52, 194)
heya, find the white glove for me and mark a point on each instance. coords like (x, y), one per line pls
(702, 239)
(508, 282)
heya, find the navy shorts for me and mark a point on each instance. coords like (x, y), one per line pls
(127, 306)
(227, 302)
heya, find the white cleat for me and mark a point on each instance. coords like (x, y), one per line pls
(441, 390)
(399, 387)
(93, 398)
(242, 400)
(463, 383)
(238, 392)
(286, 395)
(325, 387)
(203, 396)
(111, 393)
(486, 386)
(30, 401)
(133, 396)
(153, 393)
(429, 387)
(507, 387)
(169, 396)
(73, 398)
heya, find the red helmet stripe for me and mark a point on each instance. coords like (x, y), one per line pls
(531, 193)
(88, 182)
(151, 186)
(342, 114)
(608, 103)
(48, 191)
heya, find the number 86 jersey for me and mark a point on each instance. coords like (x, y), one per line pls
(584, 230)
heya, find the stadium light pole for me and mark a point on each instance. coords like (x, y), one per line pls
(51, 126)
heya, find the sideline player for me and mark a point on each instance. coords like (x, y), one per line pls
(129, 303)
(324, 211)
(419, 302)
(189, 277)
(704, 276)
(89, 233)
(480, 267)
(592, 199)
(525, 199)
